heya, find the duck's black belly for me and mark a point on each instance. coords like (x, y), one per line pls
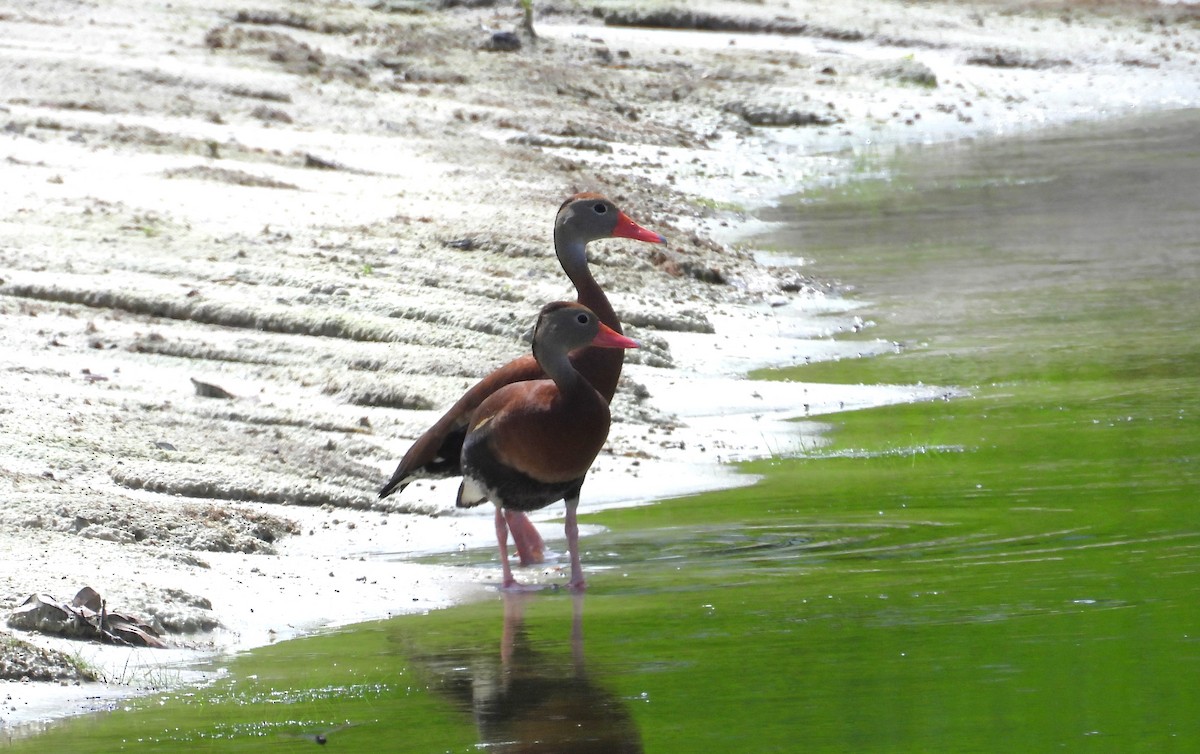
(513, 489)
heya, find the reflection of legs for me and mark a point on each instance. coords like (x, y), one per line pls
(576, 583)
(577, 632)
(530, 547)
(502, 539)
(514, 616)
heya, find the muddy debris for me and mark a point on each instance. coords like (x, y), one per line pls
(317, 162)
(503, 41)
(269, 114)
(779, 116)
(1010, 59)
(293, 21)
(539, 140)
(178, 612)
(22, 661)
(87, 617)
(383, 393)
(226, 175)
(684, 320)
(292, 55)
(263, 94)
(224, 529)
(907, 71)
(194, 307)
(702, 21)
(209, 390)
(213, 527)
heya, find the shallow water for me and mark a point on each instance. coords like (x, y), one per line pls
(1014, 571)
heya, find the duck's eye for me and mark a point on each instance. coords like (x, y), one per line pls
(599, 209)
(581, 318)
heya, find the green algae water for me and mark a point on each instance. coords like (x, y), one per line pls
(1013, 571)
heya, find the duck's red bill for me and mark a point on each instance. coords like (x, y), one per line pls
(627, 228)
(610, 338)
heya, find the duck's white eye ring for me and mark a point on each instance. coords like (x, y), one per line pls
(581, 318)
(599, 208)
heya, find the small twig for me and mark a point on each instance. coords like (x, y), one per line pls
(527, 22)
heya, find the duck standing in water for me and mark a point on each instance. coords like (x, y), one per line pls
(531, 443)
(581, 219)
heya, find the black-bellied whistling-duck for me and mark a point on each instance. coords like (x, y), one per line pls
(581, 219)
(531, 443)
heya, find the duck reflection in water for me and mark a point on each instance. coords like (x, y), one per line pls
(532, 702)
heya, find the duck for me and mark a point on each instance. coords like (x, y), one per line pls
(531, 443)
(581, 219)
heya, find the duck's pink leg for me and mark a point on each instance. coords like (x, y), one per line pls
(576, 584)
(502, 538)
(530, 547)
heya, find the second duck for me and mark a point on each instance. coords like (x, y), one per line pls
(531, 443)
